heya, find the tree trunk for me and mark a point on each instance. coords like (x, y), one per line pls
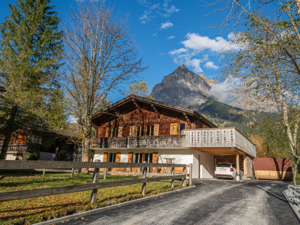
(10, 129)
(296, 162)
(87, 128)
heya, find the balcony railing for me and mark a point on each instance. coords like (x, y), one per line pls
(166, 141)
(218, 138)
(199, 138)
(16, 147)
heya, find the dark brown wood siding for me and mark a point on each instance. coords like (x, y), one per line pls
(143, 118)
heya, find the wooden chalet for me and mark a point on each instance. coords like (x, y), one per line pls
(138, 129)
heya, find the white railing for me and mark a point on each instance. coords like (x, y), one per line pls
(218, 137)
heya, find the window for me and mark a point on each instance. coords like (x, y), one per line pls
(138, 157)
(150, 130)
(112, 157)
(181, 127)
(139, 131)
(148, 157)
(114, 132)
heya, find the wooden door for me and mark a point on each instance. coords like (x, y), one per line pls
(173, 128)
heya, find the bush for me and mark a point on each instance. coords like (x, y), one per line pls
(63, 155)
(33, 156)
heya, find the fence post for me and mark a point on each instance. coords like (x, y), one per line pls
(72, 173)
(144, 184)
(44, 172)
(184, 179)
(95, 180)
(191, 174)
(172, 182)
(105, 172)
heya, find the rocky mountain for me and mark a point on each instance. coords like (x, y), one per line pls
(184, 88)
(188, 89)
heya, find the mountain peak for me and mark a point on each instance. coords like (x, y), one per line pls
(211, 82)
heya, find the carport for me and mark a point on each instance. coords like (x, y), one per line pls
(242, 160)
(226, 144)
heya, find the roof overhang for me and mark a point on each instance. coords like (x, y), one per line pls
(133, 102)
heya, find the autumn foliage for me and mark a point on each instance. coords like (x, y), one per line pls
(262, 149)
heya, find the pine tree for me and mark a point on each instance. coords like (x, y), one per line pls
(30, 56)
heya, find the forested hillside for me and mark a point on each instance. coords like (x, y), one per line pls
(227, 116)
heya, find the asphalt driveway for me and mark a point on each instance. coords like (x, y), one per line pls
(211, 202)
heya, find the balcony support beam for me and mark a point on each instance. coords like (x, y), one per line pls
(237, 166)
(155, 110)
(137, 106)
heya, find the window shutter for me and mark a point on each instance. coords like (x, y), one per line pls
(156, 129)
(173, 128)
(118, 157)
(132, 132)
(105, 156)
(130, 157)
(107, 132)
(120, 132)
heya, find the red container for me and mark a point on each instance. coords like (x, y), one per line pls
(273, 164)
(273, 168)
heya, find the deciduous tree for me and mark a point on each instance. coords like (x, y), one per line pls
(267, 64)
(100, 57)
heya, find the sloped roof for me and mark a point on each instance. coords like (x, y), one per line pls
(130, 103)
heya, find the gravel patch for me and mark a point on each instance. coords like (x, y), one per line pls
(292, 195)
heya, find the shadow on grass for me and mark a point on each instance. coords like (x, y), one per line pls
(134, 194)
(77, 178)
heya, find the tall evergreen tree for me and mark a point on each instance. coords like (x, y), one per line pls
(30, 56)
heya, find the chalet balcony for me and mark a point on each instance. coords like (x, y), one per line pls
(203, 139)
(166, 141)
(218, 138)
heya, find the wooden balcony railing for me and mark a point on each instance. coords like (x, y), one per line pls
(218, 138)
(166, 141)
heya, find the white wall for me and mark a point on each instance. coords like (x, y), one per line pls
(124, 158)
(207, 165)
(10, 157)
(178, 156)
(98, 157)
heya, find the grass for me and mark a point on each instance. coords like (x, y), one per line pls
(34, 210)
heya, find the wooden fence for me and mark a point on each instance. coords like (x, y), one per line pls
(27, 165)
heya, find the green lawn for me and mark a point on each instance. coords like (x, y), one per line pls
(34, 210)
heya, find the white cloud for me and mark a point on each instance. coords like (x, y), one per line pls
(178, 51)
(171, 37)
(196, 48)
(166, 25)
(199, 43)
(159, 9)
(211, 65)
(154, 35)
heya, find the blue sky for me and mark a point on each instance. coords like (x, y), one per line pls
(167, 32)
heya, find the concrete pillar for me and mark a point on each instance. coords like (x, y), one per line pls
(237, 166)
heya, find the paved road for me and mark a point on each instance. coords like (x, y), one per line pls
(211, 202)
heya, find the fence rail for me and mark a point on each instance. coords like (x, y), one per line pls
(24, 165)
(16, 165)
